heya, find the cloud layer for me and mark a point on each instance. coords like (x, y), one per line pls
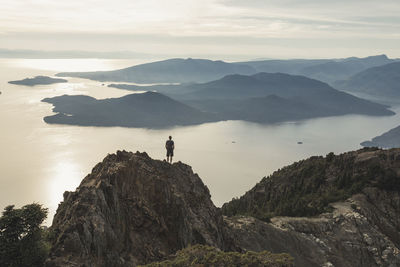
(253, 27)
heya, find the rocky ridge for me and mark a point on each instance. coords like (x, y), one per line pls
(357, 227)
(132, 210)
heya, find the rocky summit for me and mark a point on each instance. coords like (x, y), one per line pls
(339, 210)
(134, 210)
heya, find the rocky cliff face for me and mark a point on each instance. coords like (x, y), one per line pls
(329, 211)
(134, 210)
(359, 230)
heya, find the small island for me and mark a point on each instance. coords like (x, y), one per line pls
(38, 80)
(142, 110)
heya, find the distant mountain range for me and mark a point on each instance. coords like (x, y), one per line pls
(267, 97)
(327, 70)
(262, 97)
(202, 70)
(167, 71)
(378, 81)
(38, 80)
(390, 139)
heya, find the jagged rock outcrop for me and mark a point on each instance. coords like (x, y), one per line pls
(134, 210)
(357, 196)
(339, 210)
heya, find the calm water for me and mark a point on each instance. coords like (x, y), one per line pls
(38, 162)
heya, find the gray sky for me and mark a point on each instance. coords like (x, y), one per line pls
(227, 29)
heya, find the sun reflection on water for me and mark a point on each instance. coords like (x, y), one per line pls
(65, 175)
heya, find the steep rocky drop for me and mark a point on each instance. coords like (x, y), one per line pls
(134, 210)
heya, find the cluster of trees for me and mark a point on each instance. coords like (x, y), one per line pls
(201, 255)
(308, 187)
(23, 241)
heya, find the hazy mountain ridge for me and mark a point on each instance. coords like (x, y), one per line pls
(134, 210)
(327, 70)
(383, 81)
(175, 70)
(262, 97)
(256, 85)
(179, 70)
(235, 96)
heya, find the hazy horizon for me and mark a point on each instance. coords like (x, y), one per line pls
(147, 58)
(223, 29)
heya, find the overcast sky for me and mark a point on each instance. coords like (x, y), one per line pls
(226, 29)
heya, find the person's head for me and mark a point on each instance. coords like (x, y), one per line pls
(170, 137)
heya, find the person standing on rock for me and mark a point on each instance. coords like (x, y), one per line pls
(169, 145)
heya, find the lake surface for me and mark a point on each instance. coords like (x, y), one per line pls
(38, 161)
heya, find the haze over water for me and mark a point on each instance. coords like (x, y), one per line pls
(38, 161)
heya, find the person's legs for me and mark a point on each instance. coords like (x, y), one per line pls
(170, 154)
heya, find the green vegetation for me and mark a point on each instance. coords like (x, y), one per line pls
(200, 255)
(307, 187)
(22, 240)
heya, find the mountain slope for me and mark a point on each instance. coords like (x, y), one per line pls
(354, 201)
(269, 109)
(389, 139)
(342, 69)
(327, 70)
(290, 66)
(167, 71)
(306, 188)
(298, 91)
(150, 109)
(383, 81)
(260, 84)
